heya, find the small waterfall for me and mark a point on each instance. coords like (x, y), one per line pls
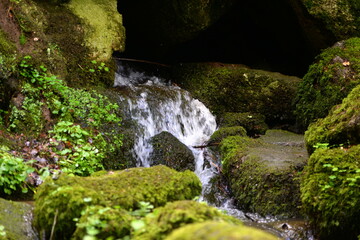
(156, 106)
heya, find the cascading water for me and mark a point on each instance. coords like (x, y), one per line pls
(158, 106)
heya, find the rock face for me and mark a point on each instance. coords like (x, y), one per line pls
(262, 172)
(175, 215)
(217, 231)
(341, 126)
(16, 218)
(169, 151)
(330, 192)
(156, 185)
(328, 81)
(236, 88)
(341, 17)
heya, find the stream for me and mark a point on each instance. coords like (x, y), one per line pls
(157, 105)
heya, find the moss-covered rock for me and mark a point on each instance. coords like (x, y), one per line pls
(169, 151)
(329, 80)
(254, 123)
(156, 185)
(219, 230)
(236, 88)
(103, 222)
(341, 17)
(340, 127)
(174, 215)
(330, 192)
(262, 173)
(224, 132)
(104, 32)
(16, 218)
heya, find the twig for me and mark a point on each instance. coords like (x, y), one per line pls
(53, 226)
(143, 61)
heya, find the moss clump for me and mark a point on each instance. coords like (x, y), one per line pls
(235, 88)
(330, 79)
(169, 151)
(219, 230)
(330, 192)
(263, 174)
(102, 223)
(224, 132)
(104, 32)
(341, 17)
(341, 126)
(252, 122)
(16, 218)
(177, 214)
(156, 185)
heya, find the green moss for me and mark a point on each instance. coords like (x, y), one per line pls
(16, 218)
(224, 132)
(6, 46)
(340, 127)
(252, 122)
(235, 88)
(102, 223)
(156, 185)
(219, 230)
(262, 174)
(341, 17)
(103, 27)
(333, 75)
(177, 214)
(330, 192)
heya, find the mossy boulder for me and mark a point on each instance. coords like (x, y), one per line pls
(334, 74)
(224, 132)
(219, 230)
(103, 222)
(236, 88)
(169, 151)
(174, 215)
(340, 127)
(254, 123)
(330, 192)
(103, 28)
(341, 17)
(16, 218)
(156, 185)
(262, 173)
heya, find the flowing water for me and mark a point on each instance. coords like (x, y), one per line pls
(157, 105)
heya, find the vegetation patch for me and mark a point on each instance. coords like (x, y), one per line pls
(330, 192)
(156, 185)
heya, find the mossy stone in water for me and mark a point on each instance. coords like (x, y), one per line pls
(334, 74)
(177, 214)
(263, 172)
(224, 132)
(67, 196)
(330, 192)
(341, 126)
(16, 217)
(219, 231)
(169, 151)
(237, 88)
(253, 123)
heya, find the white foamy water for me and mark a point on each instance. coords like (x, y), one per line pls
(158, 107)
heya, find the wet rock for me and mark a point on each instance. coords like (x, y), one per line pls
(263, 172)
(169, 151)
(16, 217)
(156, 185)
(219, 230)
(330, 79)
